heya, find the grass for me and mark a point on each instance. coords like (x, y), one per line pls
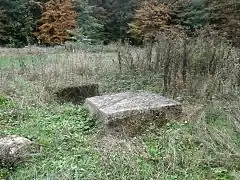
(16, 61)
(203, 144)
(72, 147)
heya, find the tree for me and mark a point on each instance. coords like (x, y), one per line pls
(56, 22)
(4, 30)
(224, 18)
(119, 14)
(111, 18)
(21, 20)
(154, 18)
(90, 21)
(191, 16)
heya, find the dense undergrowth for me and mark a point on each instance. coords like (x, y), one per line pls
(203, 144)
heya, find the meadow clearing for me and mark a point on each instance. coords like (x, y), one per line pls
(204, 143)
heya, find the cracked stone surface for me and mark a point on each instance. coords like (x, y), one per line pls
(132, 106)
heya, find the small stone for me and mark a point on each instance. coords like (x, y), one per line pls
(13, 148)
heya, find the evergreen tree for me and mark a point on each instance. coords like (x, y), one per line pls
(224, 18)
(113, 17)
(90, 21)
(119, 14)
(21, 21)
(4, 30)
(191, 16)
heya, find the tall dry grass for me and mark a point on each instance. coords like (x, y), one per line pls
(203, 68)
(211, 69)
(36, 74)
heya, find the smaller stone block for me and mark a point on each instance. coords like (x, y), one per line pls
(13, 148)
(77, 95)
(127, 106)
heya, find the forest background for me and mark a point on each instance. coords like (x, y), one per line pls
(25, 22)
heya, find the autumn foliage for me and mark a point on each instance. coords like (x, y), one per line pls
(151, 19)
(154, 18)
(57, 20)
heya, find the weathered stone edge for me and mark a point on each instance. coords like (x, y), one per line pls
(94, 111)
(143, 114)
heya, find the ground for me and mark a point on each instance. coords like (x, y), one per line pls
(204, 143)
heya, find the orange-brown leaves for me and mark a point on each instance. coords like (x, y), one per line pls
(58, 18)
(152, 19)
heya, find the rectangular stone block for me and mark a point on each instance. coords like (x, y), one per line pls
(140, 106)
(77, 94)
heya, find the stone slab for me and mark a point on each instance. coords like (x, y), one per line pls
(132, 106)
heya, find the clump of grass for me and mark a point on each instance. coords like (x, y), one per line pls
(3, 100)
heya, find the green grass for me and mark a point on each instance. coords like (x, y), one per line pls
(63, 132)
(205, 148)
(204, 144)
(15, 61)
